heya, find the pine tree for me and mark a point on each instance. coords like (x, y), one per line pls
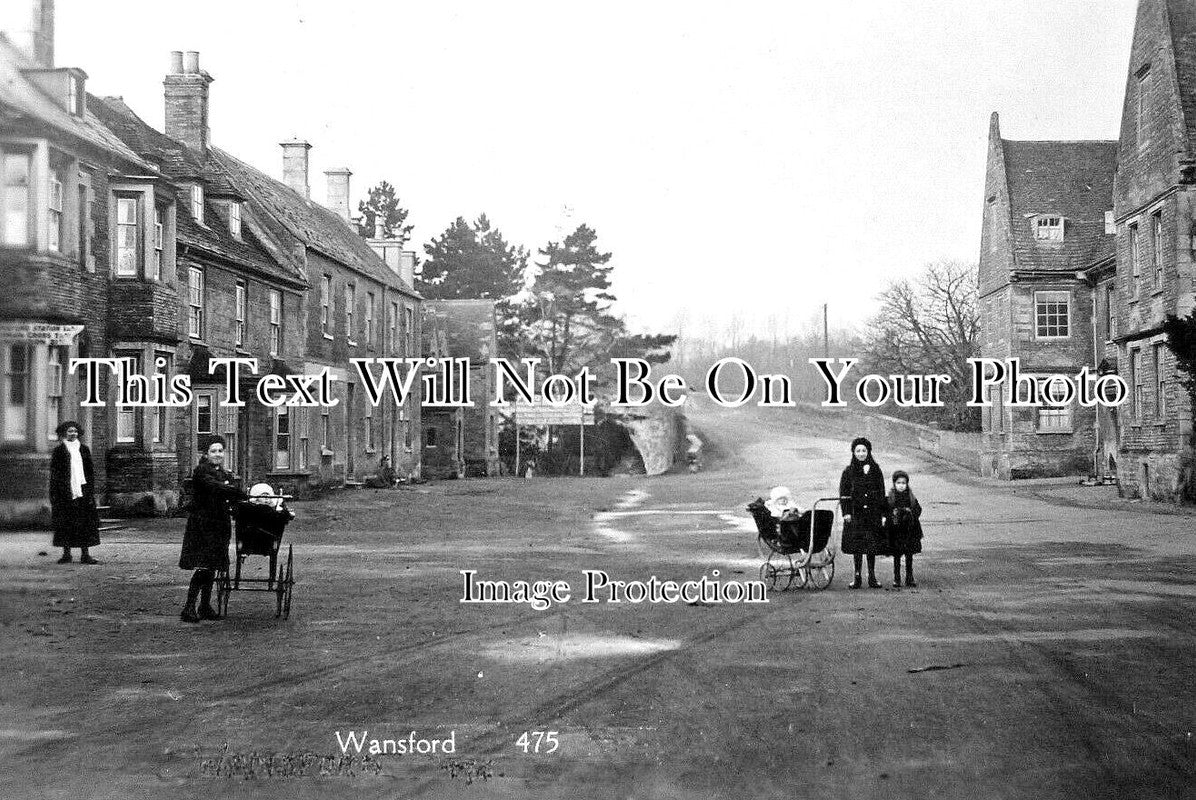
(384, 201)
(472, 262)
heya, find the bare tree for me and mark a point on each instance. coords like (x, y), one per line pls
(930, 324)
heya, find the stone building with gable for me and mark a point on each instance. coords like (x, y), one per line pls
(86, 245)
(1045, 223)
(1124, 282)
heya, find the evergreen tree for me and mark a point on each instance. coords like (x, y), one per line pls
(383, 202)
(569, 322)
(472, 262)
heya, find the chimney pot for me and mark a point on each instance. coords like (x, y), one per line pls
(176, 62)
(295, 165)
(379, 227)
(191, 62)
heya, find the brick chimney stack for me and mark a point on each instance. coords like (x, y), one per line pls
(338, 192)
(295, 157)
(187, 101)
(30, 27)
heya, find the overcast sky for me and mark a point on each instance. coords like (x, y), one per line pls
(748, 157)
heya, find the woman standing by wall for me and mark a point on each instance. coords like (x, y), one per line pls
(864, 510)
(205, 543)
(72, 495)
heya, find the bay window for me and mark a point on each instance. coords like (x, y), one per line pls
(15, 198)
(128, 235)
(282, 438)
(275, 322)
(57, 207)
(15, 390)
(195, 303)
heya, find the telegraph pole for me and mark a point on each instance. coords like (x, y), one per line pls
(826, 339)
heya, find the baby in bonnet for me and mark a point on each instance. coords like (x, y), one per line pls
(781, 504)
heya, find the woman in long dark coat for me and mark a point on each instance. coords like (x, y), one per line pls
(209, 529)
(864, 510)
(72, 495)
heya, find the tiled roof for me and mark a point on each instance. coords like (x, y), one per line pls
(1073, 180)
(180, 162)
(469, 327)
(312, 224)
(22, 96)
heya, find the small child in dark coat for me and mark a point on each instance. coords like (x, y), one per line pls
(905, 530)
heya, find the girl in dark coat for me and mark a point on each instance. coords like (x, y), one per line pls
(72, 495)
(905, 534)
(864, 510)
(205, 543)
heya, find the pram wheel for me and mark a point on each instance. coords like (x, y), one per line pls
(282, 586)
(771, 576)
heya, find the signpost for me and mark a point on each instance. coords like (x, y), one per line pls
(541, 414)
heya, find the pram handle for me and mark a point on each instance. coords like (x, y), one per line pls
(272, 497)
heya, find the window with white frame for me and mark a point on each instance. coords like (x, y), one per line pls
(325, 303)
(1110, 311)
(160, 415)
(84, 222)
(392, 332)
(57, 208)
(303, 430)
(16, 198)
(230, 426)
(234, 219)
(128, 235)
(74, 95)
(55, 389)
(275, 322)
(15, 389)
(1053, 419)
(204, 423)
(409, 331)
(195, 303)
(197, 202)
(242, 308)
(1156, 247)
(370, 311)
(1048, 228)
(1160, 383)
(350, 302)
(325, 429)
(1136, 383)
(126, 416)
(1052, 315)
(159, 242)
(1135, 260)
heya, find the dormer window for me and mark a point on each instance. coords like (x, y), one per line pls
(197, 202)
(234, 219)
(1048, 229)
(75, 96)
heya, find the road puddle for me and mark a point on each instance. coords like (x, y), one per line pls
(554, 647)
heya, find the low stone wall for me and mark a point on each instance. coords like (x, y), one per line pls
(961, 449)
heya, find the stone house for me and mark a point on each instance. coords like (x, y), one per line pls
(471, 332)
(357, 307)
(1153, 197)
(1137, 273)
(1044, 223)
(235, 300)
(442, 434)
(79, 216)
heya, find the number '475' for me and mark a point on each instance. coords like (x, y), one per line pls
(538, 742)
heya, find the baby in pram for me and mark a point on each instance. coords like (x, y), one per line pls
(261, 520)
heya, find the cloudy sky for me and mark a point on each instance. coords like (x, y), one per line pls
(746, 158)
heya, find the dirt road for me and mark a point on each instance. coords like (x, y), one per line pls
(1047, 652)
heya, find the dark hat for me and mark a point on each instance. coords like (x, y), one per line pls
(861, 440)
(60, 431)
(207, 441)
(900, 474)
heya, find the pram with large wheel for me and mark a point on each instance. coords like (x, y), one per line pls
(798, 548)
(259, 525)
